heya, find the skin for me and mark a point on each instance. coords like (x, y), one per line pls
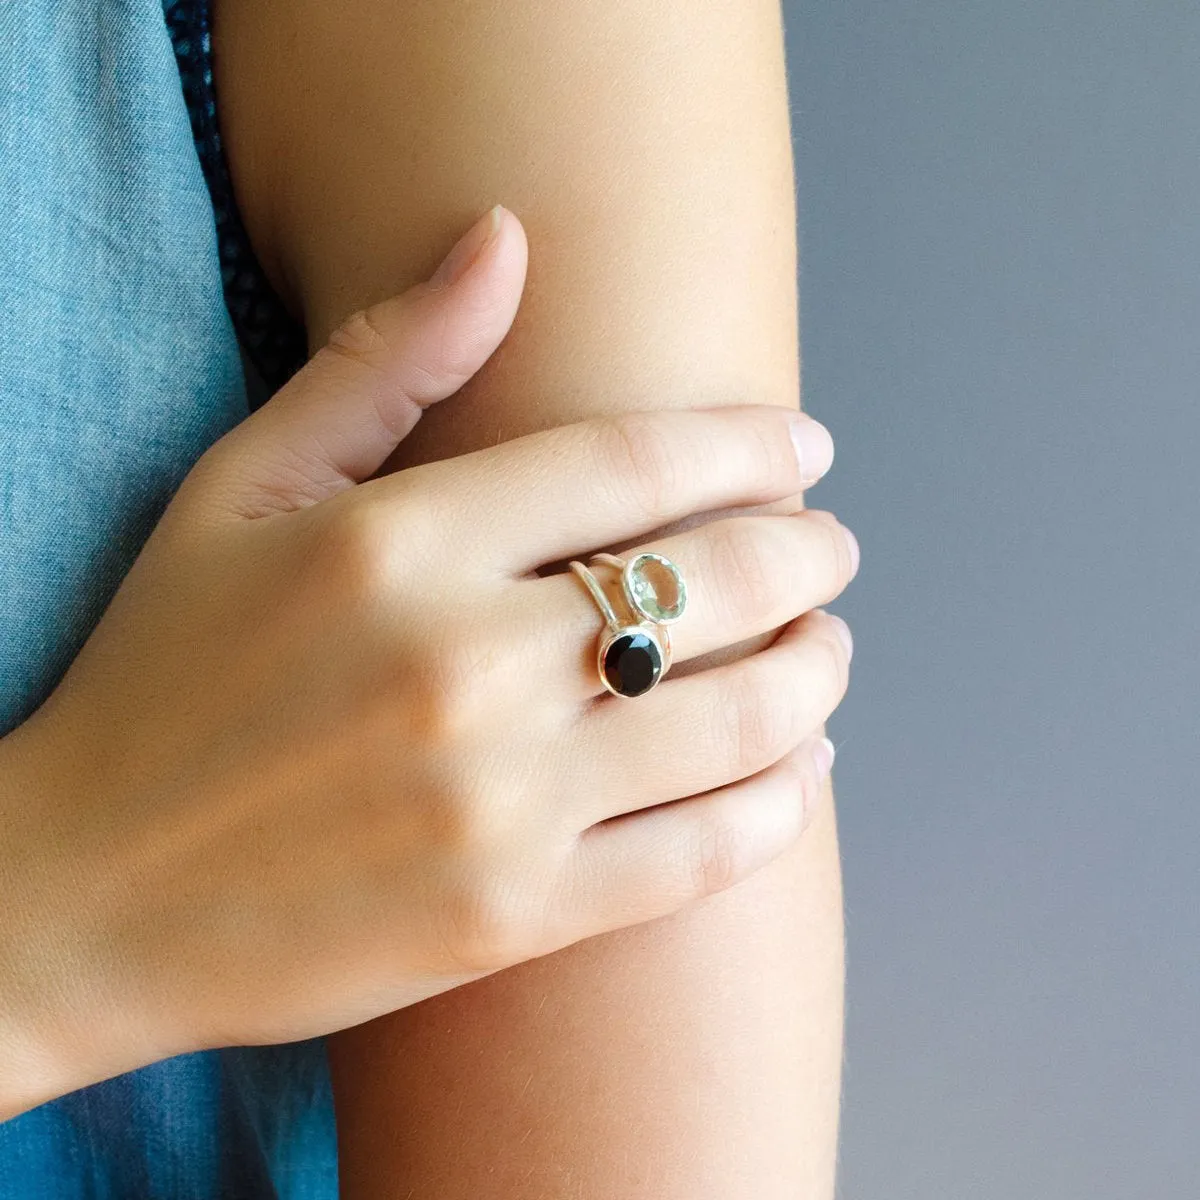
(329, 794)
(645, 148)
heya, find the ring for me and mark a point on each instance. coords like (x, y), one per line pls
(632, 656)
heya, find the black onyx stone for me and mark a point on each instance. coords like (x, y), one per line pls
(632, 663)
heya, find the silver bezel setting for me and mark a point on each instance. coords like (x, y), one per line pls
(629, 568)
(646, 630)
(653, 628)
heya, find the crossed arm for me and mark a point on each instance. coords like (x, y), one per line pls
(645, 146)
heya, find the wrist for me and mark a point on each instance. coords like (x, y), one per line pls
(65, 1000)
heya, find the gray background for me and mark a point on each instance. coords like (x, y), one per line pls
(1000, 314)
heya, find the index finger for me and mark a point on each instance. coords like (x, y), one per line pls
(557, 492)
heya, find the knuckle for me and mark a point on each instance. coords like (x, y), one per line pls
(841, 682)
(446, 354)
(450, 691)
(836, 548)
(745, 576)
(477, 934)
(718, 856)
(841, 553)
(359, 551)
(460, 833)
(800, 777)
(833, 670)
(759, 720)
(487, 922)
(358, 337)
(638, 455)
(370, 545)
(768, 456)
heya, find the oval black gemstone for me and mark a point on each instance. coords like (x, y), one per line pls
(632, 663)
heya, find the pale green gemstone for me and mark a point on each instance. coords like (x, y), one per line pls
(655, 588)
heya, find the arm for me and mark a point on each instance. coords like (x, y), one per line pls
(645, 147)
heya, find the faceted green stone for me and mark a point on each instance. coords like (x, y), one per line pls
(655, 587)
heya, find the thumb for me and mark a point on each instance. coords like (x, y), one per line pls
(337, 420)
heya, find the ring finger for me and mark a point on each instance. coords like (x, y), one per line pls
(744, 576)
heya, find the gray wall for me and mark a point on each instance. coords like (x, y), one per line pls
(1000, 299)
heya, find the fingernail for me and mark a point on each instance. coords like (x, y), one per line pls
(843, 633)
(855, 553)
(814, 448)
(467, 249)
(822, 755)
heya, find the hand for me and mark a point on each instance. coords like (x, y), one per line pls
(336, 746)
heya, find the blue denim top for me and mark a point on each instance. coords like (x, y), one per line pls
(119, 365)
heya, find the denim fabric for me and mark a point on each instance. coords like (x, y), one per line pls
(118, 367)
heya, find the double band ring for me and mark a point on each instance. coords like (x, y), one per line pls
(634, 654)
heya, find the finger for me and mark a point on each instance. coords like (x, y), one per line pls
(337, 420)
(648, 864)
(744, 576)
(716, 726)
(564, 491)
